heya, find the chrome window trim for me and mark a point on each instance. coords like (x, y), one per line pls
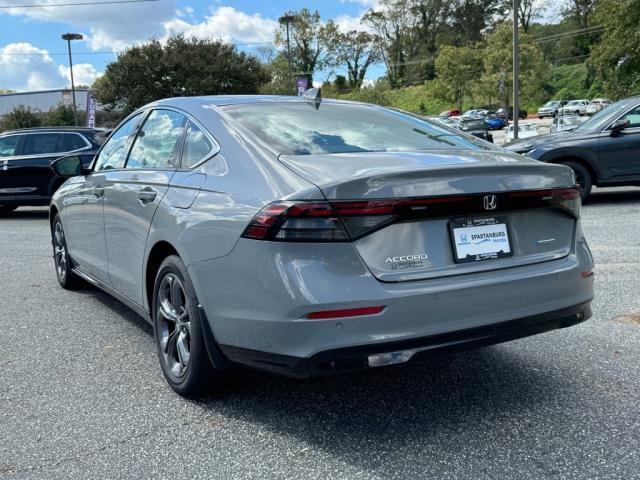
(145, 111)
(215, 145)
(46, 155)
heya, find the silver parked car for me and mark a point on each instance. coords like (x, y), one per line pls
(307, 236)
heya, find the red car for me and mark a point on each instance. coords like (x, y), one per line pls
(450, 113)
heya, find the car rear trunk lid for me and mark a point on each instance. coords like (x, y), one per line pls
(440, 196)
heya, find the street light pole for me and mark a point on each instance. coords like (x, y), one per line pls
(516, 70)
(286, 20)
(68, 37)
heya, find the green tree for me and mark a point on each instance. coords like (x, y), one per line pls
(59, 116)
(393, 23)
(276, 68)
(20, 117)
(179, 67)
(457, 69)
(528, 11)
(355, 51)
(310, 42)
(498, 66)
(617, 56)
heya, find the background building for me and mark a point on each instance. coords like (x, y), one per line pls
(43, 100)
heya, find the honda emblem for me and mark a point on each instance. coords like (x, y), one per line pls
(490, 202)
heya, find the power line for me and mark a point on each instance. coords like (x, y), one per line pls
(77, 4)
(573, 33)
(34, 54)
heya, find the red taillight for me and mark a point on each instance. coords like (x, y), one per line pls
(567, 199)
(348, 312)
(297, 222)
(345, 220)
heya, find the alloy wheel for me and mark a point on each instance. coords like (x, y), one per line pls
(174, 326)
(60, 251)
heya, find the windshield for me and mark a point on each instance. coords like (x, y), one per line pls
(573, 102)
(605, 116)
(550, 104)
(299, 129)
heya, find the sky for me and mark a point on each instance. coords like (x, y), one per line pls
(33, 57)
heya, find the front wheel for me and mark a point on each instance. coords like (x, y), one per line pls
(66, 278)
(178, 330)
(583, 178)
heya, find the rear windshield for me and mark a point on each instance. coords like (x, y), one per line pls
(300, 129)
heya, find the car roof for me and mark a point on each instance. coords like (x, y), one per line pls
(55, 129)
(194, 105)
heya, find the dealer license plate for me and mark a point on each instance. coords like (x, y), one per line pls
(480, 239)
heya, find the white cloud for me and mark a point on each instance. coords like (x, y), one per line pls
(116, 27)
(105, 26)
(228, 24)
(347, 23)
(24, 67)
(83, 74)
(34, 71)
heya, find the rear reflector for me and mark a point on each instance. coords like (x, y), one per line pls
(349, 312)
(346, 220)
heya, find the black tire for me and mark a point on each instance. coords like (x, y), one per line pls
(6, 209)
(63, 265)
(583, 178)
(540, 117)
(198, 375)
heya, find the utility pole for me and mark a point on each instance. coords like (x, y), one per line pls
(68, 37)
(286, 20)
(516, 70)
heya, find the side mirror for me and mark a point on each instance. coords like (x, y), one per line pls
(70, 166)
(619, 125)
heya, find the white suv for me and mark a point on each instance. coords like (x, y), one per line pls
(575, 107)
(597, 104)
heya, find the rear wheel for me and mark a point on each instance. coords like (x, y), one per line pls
(583, 178)
(66, 278)
(5, 209)
(178, 330)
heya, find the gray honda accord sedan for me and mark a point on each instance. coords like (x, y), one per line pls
(307, 236)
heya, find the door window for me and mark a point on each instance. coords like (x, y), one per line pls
(634, 117)
(42, 144)
(114, 152)
(159, 141)
(196, 146)
(8, 145)
(73, 141)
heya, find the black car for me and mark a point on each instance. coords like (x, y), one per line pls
(26, 177)
(476, 126)
(502, 112)
(603, 151)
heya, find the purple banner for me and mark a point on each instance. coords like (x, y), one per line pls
(91, 110)
(301, 85)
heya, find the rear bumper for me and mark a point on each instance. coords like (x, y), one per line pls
(258, 298)
(390, 353)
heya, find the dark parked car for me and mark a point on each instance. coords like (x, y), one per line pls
(476, 126)
(26, 177)
(502, 112)
(603, 151)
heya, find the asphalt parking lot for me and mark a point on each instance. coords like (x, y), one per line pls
(82, 395)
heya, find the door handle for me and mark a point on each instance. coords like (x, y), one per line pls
(98, 192)
(147, 195)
